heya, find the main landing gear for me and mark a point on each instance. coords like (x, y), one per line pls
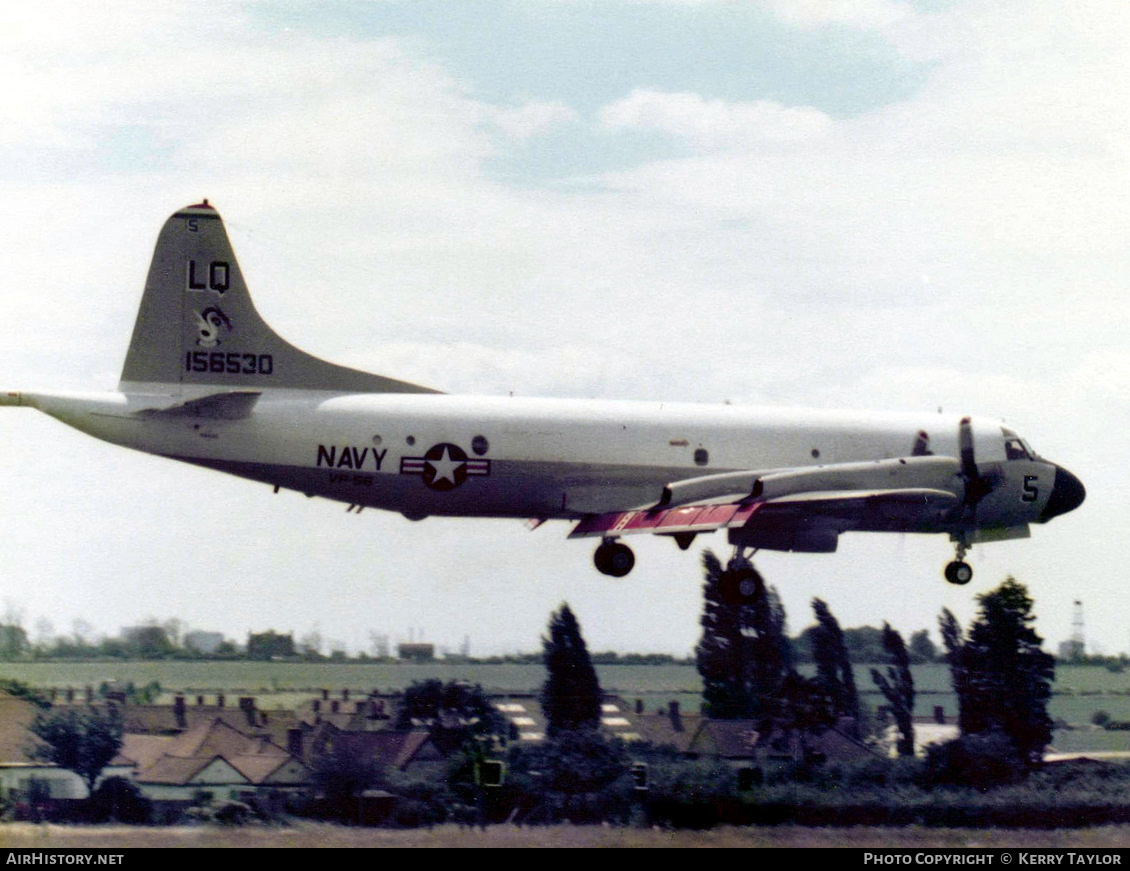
(613, 558)
(959, 571)
(742, 586)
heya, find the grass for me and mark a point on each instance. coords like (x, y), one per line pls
(303, 834)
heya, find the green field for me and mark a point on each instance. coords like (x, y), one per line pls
(1080, 691)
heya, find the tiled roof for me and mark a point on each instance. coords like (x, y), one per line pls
(16, 715)
(178, 759)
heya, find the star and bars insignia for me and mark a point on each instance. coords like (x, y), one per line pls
(444, 466)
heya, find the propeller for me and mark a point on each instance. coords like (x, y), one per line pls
(977, 486)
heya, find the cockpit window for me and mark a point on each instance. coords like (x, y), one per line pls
(1015, 449)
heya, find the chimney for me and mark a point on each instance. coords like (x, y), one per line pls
(325, 695)
(939, 714)
(345, 694)
(179, 712)
(676, 717)
(294, 743)
(247, 705)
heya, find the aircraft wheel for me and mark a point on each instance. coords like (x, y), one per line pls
(958, 572)
(613, 558)
(741, 587)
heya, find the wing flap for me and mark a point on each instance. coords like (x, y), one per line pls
(664, 521)
(905, 508)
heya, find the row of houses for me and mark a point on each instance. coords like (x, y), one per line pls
(206, 751)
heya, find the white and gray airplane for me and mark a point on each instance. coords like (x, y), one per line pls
(208, 382)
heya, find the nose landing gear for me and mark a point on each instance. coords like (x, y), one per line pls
(613, 558)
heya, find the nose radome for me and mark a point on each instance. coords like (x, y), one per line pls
(1068, 494)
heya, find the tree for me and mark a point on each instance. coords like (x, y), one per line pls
(148, 642)
(571, 695)
(269, 644)
(744, 655)
(921, 648)
(82, 741)
(1001, 675)
(341, 773)
(575, 773)
(897, 686)
(454, 712)
(833, 667)
(14, 643)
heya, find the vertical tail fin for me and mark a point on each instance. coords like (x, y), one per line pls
(198, 326)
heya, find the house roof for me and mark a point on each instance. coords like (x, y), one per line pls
(16, 739)
(389, 748)
(741, 739)
(162, 720)
(181, 758)
(617, 719)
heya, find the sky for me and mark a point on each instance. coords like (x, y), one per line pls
(868, 204)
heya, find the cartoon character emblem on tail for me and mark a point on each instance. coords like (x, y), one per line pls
(211, 321)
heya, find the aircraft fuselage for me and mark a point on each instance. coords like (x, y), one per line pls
(434, 454)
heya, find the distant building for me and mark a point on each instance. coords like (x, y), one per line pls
(416, 651)
(204, 642)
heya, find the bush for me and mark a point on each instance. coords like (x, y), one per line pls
(119, 799)
(981, 761)
(233, 813)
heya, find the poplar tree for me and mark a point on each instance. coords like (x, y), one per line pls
(571, 696)
(833, 666)
(897, 686)
(744, 655)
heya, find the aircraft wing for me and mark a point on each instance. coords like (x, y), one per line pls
(797, 509)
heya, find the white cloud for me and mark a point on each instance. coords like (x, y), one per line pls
(715, 123)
